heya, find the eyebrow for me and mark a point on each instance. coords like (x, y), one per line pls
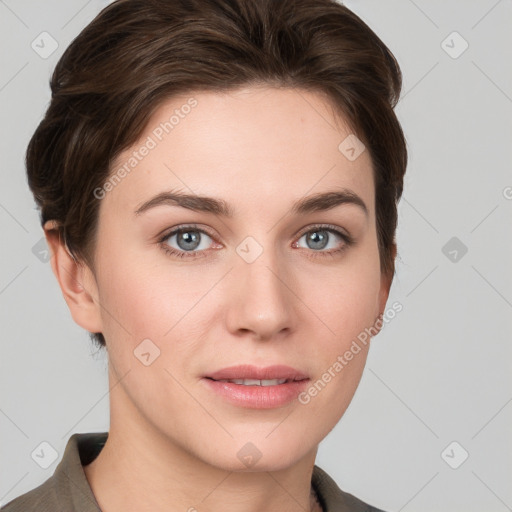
(315, 203)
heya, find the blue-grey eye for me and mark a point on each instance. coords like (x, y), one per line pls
(189, 239)
(318, 239)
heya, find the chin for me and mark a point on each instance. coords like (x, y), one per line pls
(255, 453)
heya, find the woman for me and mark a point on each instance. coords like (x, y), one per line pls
(218, 183)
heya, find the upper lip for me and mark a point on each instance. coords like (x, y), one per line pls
(247, 371)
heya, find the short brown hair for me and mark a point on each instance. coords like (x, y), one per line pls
(137, 53)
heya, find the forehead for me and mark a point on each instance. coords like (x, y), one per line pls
(244, 145)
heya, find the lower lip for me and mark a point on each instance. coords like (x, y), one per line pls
(258, 397)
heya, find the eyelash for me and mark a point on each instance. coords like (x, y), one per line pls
(349, 241)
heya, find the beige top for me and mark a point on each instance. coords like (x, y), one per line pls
(68, 489)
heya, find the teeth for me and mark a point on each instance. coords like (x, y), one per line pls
(255, 382)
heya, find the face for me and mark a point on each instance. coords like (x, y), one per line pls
(267, 285)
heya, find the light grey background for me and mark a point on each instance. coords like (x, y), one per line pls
(438, 372)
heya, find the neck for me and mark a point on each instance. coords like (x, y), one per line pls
(141, 469)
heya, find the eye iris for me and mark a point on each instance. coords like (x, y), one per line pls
(188, 239)
(319, 241)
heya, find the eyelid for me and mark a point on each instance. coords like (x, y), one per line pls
(342, 233)
(168, 250)
(183, 227)
(327, 227)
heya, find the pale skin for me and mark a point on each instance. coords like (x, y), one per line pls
(172, 442)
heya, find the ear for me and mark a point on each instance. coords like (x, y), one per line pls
(76, 281)
(385, 286)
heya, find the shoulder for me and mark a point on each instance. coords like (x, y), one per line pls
(333, 499)
(41, 499)
(67, 490)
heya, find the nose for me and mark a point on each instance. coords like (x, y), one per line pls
(262, 301)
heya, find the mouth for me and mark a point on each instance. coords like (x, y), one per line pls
(257, 388)
(249, 375)
(257, 382)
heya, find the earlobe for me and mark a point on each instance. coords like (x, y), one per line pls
(76, 281)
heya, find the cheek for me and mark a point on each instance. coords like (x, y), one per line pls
(166, 301)
(352, 304)
(347, 298)
(166, 304)
(347, 305)
(348, 309)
